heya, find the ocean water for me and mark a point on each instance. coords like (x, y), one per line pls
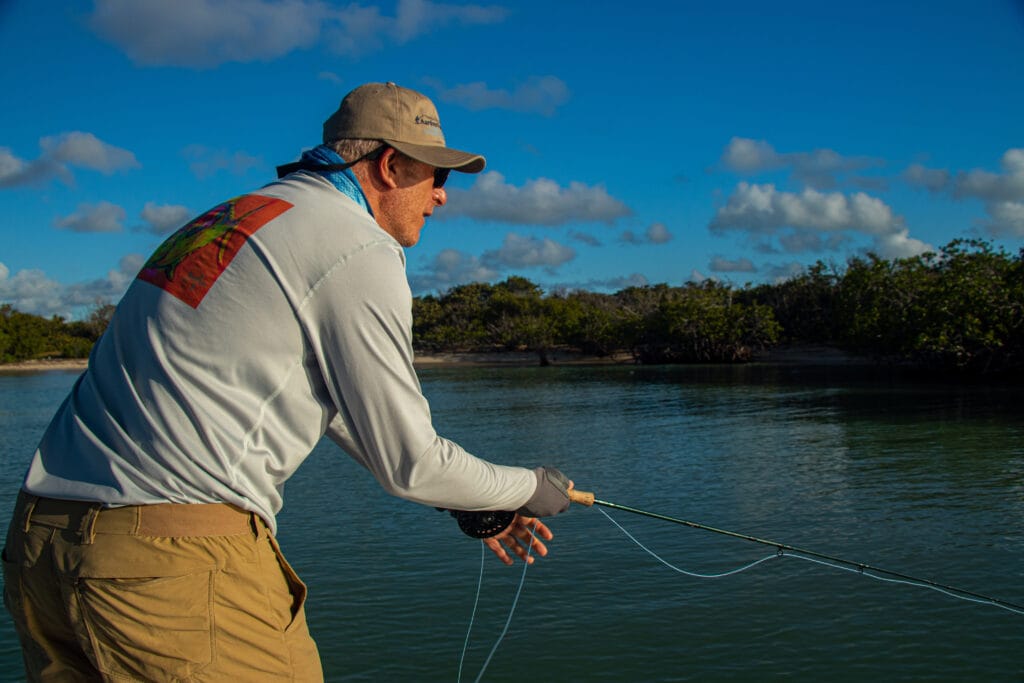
(926, 479)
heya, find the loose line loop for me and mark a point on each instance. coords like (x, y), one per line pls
(781, 550)
(835, 563)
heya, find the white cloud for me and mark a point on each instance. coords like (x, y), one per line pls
(417, 17)
(32, 291)
(899, 244)
(1007, 186)
(1007, 218)
(86, 150)
(931, 179)
(10, 166)
(358, 30)
(59, 152)
(538, 202)
(630, 237)
(449, 269)
(206, 33)
(624, 282)
(539, 94)
(452, 267)
(721, 264)
(786, 271)
(100, 217)
(613, 284)
(797, 242)
(657, 233)
(520, 251)
(763, 209)
(109, 289)
(1002, 193)
(812, 220)
(744, 155)
(161, 219)
(205, 162)
(818, 169)
(585, 238)
(330, 77)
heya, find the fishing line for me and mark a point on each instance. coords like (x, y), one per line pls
(677, 569)
(785, 550)
(508, 621)
(472, 616)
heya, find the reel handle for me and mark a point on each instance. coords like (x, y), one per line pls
(585, 498)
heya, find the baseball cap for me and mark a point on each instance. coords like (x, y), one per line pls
(404, 119)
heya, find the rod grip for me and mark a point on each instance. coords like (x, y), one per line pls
(581, 497)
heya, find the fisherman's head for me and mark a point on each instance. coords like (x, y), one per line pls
(403, 161)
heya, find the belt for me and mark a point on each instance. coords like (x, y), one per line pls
(167, 520)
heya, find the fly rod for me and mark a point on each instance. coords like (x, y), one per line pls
(587, 499)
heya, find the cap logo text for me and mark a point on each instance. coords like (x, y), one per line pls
(426, 120)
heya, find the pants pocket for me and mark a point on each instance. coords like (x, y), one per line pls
(149, 628)
(296, 587)
(19, 556)
(13, 600)
(302, 650)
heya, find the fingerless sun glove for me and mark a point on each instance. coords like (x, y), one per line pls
(551, 496)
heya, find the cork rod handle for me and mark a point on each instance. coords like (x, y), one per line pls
(581, 497)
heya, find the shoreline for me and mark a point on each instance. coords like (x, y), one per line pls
(796, 355)
(516, 359)
(27, 366)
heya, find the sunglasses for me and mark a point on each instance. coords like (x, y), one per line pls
(441, 176)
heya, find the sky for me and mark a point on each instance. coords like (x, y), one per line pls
(626, 143)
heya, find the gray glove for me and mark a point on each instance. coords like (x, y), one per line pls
(551, 496)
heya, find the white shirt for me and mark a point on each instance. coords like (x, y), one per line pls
(227, 361)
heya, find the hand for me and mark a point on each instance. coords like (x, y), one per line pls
(517, 538)
(551, 496)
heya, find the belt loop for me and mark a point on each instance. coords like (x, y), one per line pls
(88, 530)
(255, 523)
(30, 507)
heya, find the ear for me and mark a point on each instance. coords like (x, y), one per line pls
(387, 167)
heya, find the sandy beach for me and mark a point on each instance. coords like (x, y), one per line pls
(506, 359)
(807, 355)
(518, 359)
(67, 364)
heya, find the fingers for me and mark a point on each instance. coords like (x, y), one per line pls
(538, 527)
(519, 540)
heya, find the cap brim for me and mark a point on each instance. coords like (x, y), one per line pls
(441, 157)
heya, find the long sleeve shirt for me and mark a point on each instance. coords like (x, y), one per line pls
(264, 324)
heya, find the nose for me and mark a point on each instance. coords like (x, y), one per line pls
(439, 196)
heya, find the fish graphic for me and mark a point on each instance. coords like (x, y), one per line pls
(216, 225)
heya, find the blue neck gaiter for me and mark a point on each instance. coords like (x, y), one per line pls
(345, 181)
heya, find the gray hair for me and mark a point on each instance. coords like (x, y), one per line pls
(351, 149)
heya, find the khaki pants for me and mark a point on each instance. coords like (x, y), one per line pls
(153, 593)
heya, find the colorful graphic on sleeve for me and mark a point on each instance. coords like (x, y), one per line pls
(192, 259)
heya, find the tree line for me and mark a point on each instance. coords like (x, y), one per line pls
(960, 309)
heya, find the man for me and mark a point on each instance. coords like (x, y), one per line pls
(142, 544)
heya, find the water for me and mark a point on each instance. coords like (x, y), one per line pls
(922, 478)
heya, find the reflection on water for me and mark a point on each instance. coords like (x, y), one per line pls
(923, 478)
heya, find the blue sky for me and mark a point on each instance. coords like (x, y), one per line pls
(627, 143)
